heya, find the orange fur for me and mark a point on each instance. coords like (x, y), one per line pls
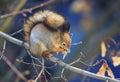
(42, 40)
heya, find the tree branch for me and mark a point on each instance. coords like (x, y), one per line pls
(7, 61)
(26, 10)
(61, 63)
(43, 68)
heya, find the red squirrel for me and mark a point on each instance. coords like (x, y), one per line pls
(47, 32)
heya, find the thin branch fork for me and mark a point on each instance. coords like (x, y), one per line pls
(61, 63)
(26, 10)
(40, 71)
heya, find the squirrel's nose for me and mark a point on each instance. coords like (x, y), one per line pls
(67, 50)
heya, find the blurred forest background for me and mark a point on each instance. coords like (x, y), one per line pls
(91, 21)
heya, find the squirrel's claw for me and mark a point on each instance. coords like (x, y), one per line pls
(47, 54)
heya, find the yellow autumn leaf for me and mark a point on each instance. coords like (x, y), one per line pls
(102, 70)
(116, 60)
(110, 73)
(87, 22)
(105, 68)
(81, 6)
(31, 81)
(103, 49)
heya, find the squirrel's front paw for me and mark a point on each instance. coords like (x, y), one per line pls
(47, 54)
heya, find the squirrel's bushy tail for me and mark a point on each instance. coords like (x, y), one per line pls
(50, 18)
(29, 24)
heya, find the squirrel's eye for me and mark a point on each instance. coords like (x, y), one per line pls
(64, 44)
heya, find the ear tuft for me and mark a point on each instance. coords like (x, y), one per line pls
(66, 27)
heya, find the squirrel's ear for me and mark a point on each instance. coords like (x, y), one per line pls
(65, 27)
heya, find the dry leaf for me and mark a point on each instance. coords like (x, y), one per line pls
(102, 70)
(87, 23)
(103, 49)
(116, 60)
(80, 6)
(30, 80)
(105, 68)
(110, 73)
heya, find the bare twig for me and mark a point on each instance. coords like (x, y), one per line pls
(7, 61)
(29, 53)
(21, 61)
(46, 80)
(24, 73)
(40, 71)
(26, 10)
(77, 43)
(38, 65)
(16, 32)
(62, 73)
(61, 63)
(4, 47)
(32, 61)
(64, 78)
(48, 72)
(78, 60)
(75, 61)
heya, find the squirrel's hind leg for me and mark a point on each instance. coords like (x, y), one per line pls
(46, 54)
(39, 48)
